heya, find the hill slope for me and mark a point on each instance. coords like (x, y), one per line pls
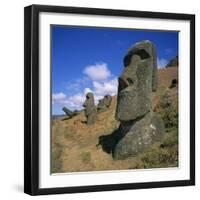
(74, 142)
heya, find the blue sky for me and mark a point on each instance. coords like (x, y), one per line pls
(90, 59)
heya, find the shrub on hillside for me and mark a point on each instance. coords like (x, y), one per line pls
(168, 110)
(165, 154)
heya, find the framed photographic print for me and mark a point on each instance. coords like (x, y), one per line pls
(109, 100)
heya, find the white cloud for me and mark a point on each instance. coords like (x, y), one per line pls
(76, 84)
(97, 72)
(76, 101)
(100, 90)
(101, 82)
(58, 97)
(106, 87)
(86, 90)
(161, 62)
(72, 102)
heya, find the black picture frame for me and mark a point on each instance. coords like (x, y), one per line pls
(31, 98)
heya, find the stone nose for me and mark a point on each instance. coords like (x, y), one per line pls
(122, 83)
(125, 82)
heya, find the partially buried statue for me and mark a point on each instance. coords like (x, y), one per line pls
(70, 113)
(90, 109)
(104, 103)
(139, 125)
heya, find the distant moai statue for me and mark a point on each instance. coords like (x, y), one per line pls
(104, 103)
(90, 109)
(70, 113)
(108, 100)
(139, 125)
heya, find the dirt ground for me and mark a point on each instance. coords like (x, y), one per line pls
(74, 143)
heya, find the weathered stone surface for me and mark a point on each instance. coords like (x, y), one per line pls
(104, 103)
(68, 112)
(138, 135)
(139, 126)
(108, 100)
(90, 109)
(137, 82)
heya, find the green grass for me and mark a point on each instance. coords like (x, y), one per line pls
(168, 110)
(165, 154)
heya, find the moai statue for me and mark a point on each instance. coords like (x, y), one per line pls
(104, 103)
(108, 100)
(90, 109)
(139, 125)
(70, 113)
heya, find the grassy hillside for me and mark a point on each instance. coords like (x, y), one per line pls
(74, 143)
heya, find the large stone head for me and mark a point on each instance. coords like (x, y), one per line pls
(107, 100)
(104, 103)
(89, 103)
(137, 81)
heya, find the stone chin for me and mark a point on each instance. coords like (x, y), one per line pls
(130, 106)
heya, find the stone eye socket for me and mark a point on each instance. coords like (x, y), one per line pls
(130, 81)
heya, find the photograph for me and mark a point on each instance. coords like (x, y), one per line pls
(109, 99)
(114, 99)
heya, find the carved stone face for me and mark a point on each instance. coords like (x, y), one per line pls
(107, 100)
(136, 82)
(104, 103)
(90, 109)
(89, 104)
(89, 100)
